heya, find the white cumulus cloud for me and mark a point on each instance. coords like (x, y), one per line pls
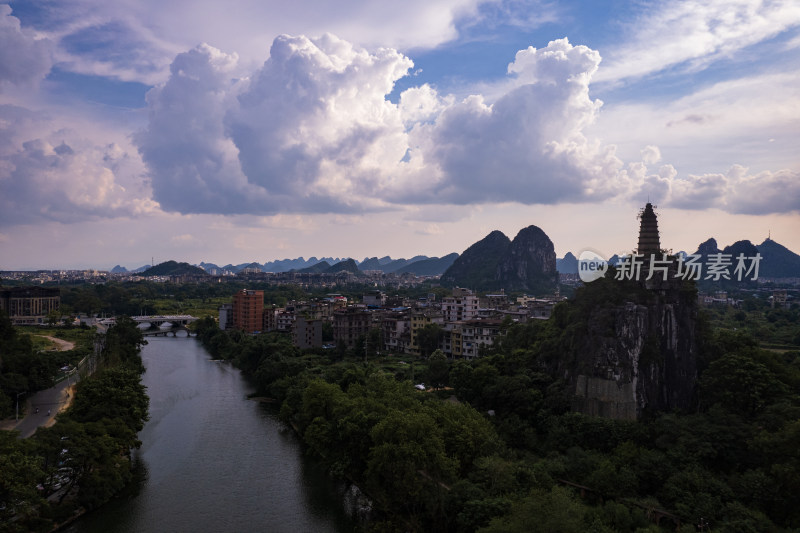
(24, 59)
(54, 173)
(313, 131)
(314, 125)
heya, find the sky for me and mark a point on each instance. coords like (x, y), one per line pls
(253, 130)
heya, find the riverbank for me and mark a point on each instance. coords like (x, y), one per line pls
(212, 460)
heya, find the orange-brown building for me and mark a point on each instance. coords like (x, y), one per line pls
(248, 310)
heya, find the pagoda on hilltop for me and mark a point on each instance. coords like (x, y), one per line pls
(639, 352)
(648, 232)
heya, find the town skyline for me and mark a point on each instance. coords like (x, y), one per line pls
(132, 133)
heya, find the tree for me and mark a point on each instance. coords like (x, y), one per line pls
(123, 342)
(408, 463)
(113, 393)
(552, 512)
(438, 369)
(20, 474)
(428, 338)
(53, 317)
(740, 384)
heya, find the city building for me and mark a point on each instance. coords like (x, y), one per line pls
(462, 305)
(779, 299)
(248, 310)
(465, 338)
(271, 318)
(349, 324)
(284, 319)
(374, 299)
(495, 301)
(307, 332)
(29, 305)
(396, 332)
(225, 316)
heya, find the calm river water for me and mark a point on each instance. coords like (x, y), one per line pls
(213, 461)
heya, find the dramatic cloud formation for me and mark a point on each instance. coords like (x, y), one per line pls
(735, 191)
(313, 131)
(528, 146)
(23, 58)
(194, 166)
(50, 173)
(314, 126)
(338, 139)
(114, 49)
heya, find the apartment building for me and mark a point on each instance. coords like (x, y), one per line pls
(29, 305)
(248, 310)
(307, 332)
(226, 317)
(396, 332)
(462, 305)
(349, 324)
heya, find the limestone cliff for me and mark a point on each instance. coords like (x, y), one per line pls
(476, 266)
(527, 263)
(637, 352)
(530, 262)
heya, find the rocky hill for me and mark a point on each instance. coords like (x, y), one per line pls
(778, 261)
(528, 263)
(371, 263)
(476, 267)
(316, 268)
(347, 265)
(628, 350)
(173, 268)
(567, 264)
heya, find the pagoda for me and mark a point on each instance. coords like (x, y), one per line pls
(648, 232)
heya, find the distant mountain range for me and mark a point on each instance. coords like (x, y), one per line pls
(777, 261)
(420, 265)
(479, 269)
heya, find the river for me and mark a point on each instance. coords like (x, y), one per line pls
(213, 461)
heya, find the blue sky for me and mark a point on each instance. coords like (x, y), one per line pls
(253, 131)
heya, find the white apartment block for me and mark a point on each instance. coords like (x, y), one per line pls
(463, 305)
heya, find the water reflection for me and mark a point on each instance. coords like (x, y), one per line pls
(212, 460)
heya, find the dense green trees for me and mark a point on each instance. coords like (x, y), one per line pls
(84, 459)
(511, 456)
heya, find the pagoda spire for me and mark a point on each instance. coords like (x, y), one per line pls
(648, 232)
